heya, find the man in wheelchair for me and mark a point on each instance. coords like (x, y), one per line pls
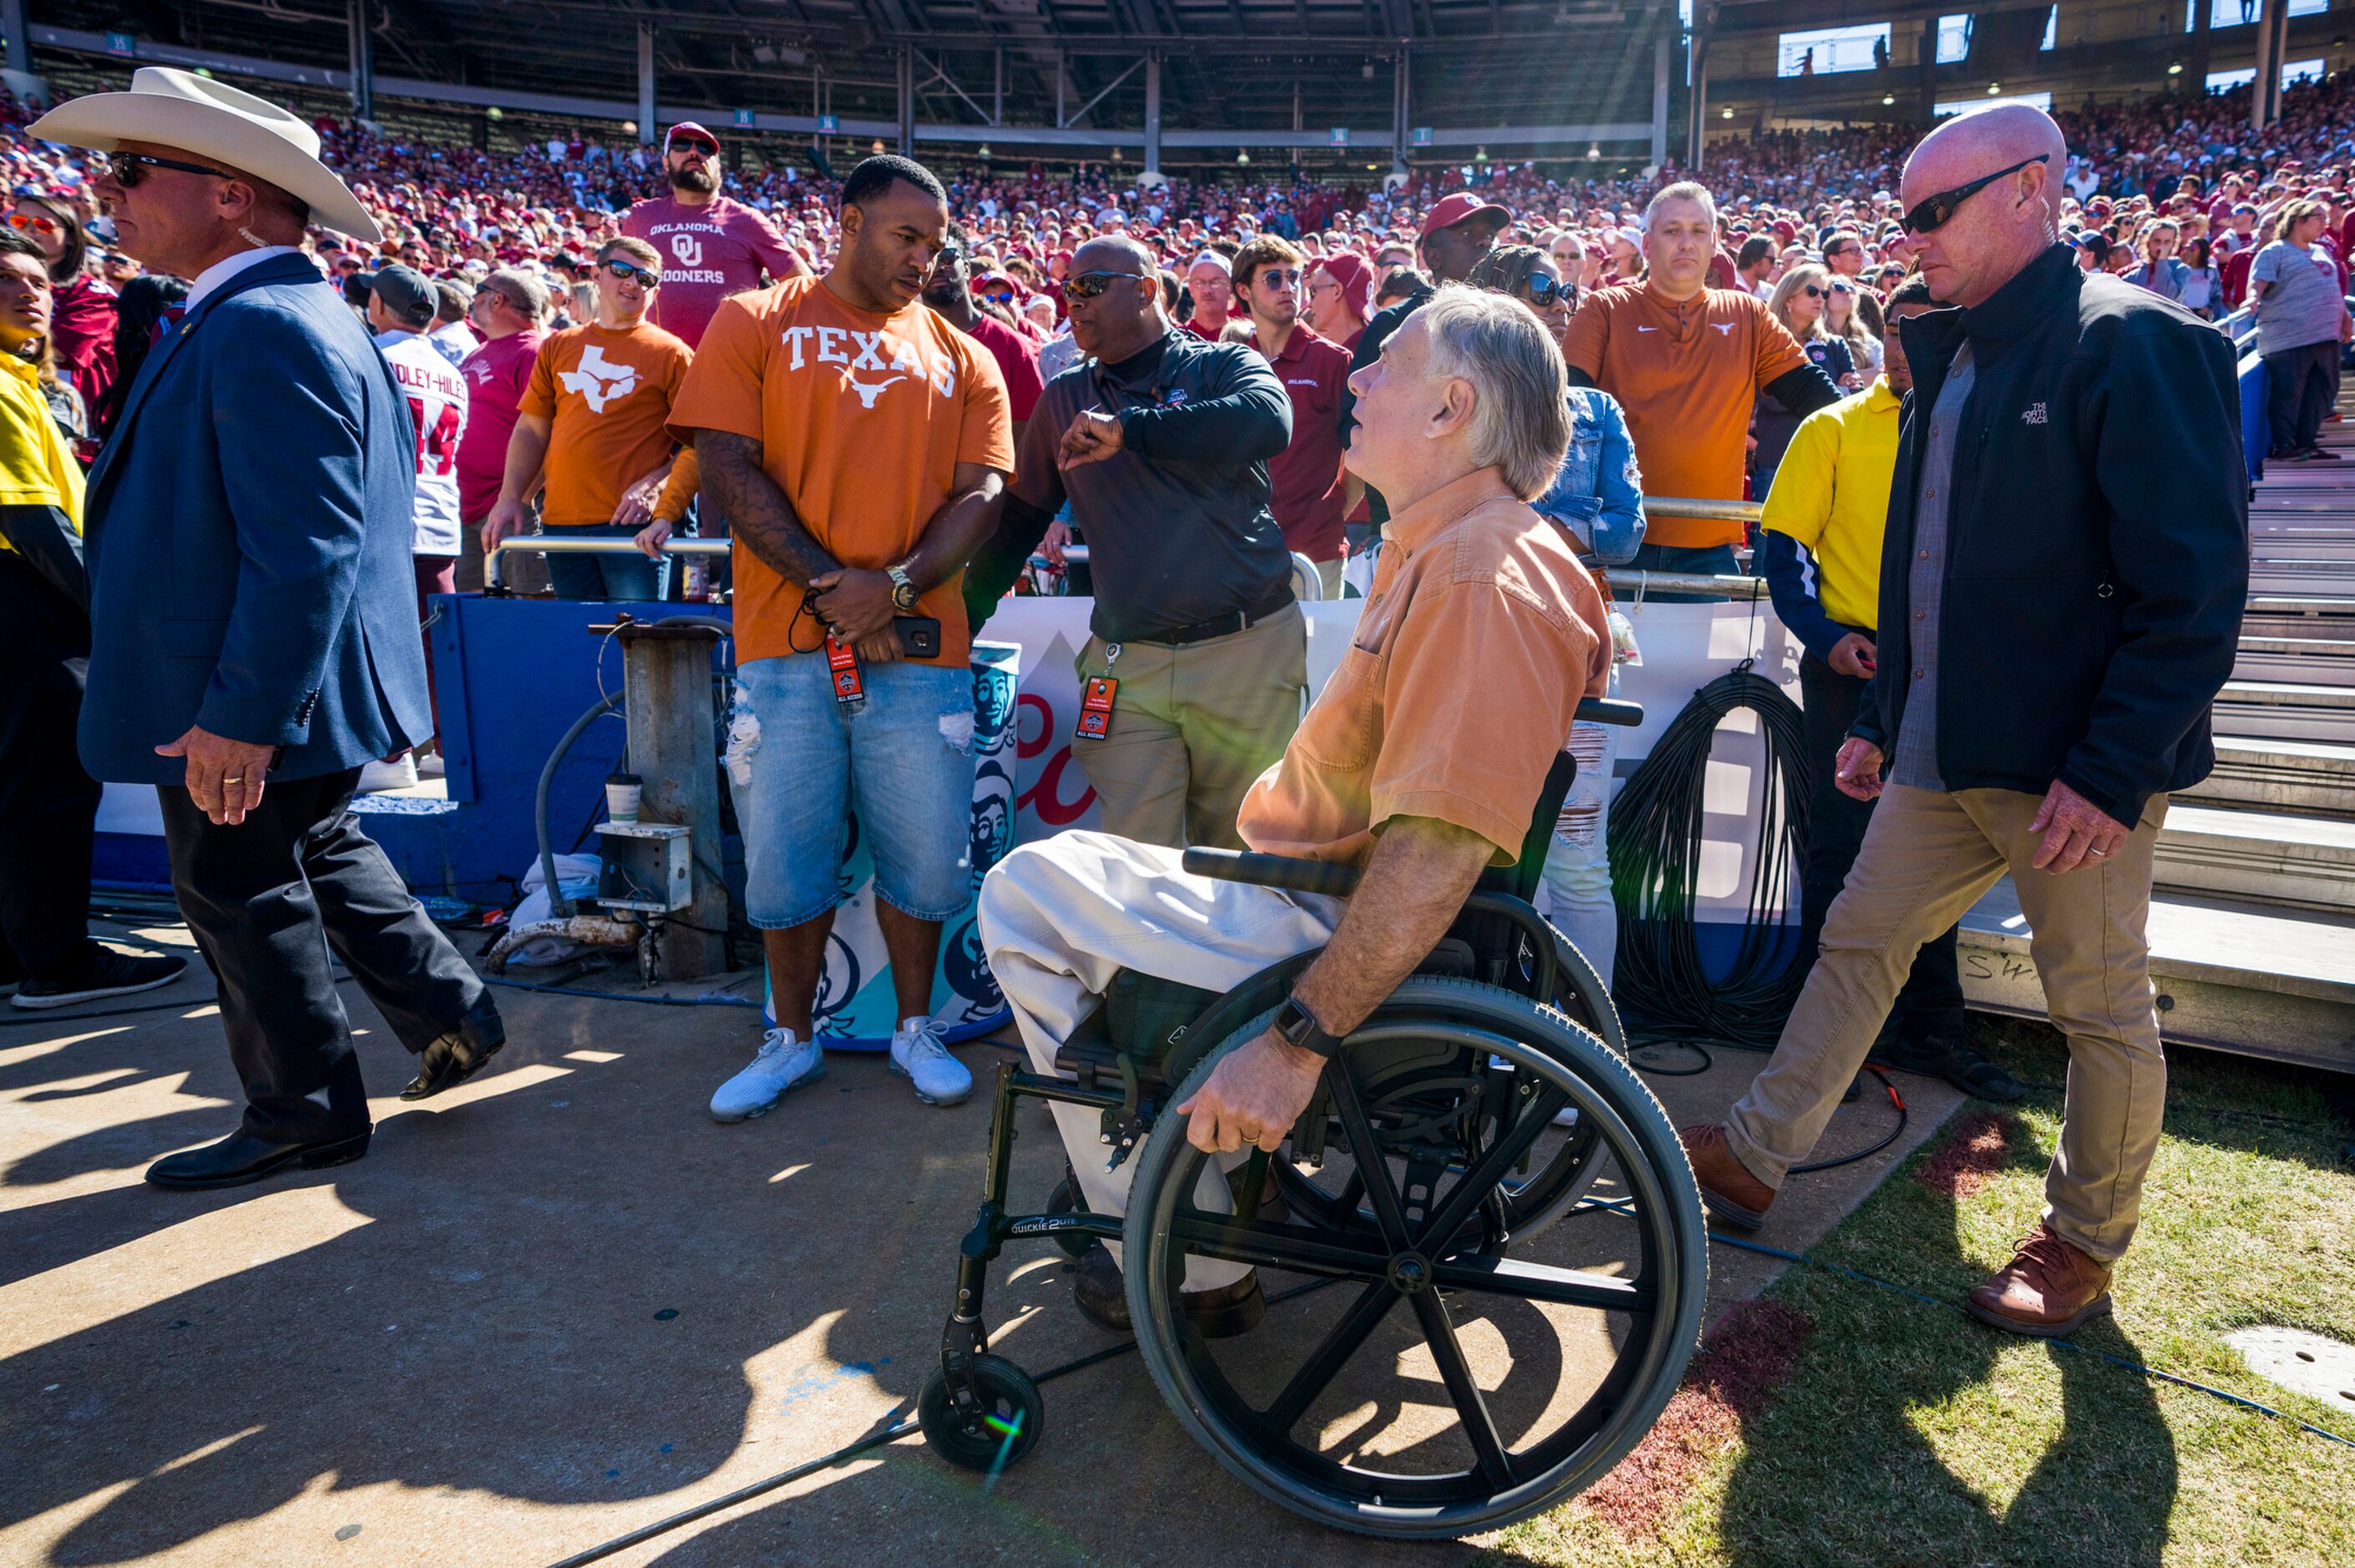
(1421, 762)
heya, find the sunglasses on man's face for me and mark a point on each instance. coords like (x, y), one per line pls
(1003, 297)
(1280, 277)
(627, 272)
(1091, 285)
(1932, 211)
(130, 168)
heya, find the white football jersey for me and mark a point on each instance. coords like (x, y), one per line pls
(437, 407)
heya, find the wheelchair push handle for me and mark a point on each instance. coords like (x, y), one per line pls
(1275, 871)
(1610, 710)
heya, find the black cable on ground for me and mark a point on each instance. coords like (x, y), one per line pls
(1656, 823)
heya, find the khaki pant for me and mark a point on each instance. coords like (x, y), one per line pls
(1329, 574)
(1192, 727)
(1060, 917)
(1927, 858)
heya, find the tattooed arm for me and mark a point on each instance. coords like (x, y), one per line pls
(758, 513)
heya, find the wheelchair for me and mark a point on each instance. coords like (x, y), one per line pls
(1429, 1154)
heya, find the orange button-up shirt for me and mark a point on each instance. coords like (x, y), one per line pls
(1482, 635)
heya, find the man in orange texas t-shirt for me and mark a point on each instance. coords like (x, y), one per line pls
(1688, 363)
(596, 419)
(857, 443)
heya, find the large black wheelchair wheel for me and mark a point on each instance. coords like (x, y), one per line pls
(1553, 1176)
(1434, 1387)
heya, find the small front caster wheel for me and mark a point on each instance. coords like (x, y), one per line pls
(1000, 1433)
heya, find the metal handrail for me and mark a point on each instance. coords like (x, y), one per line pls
(554, 543)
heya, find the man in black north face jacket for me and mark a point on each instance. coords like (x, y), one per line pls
(2061, 584)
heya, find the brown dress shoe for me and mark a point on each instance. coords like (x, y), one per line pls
(2047, 1290)
(1217, 1314)
(1732, 1193)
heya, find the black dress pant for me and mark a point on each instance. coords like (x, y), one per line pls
(1931, 1005)
(267, 898)
(2299, 385)
(48, 806)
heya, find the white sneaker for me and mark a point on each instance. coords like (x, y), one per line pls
(783, 1063)
(398, 774)
(921, 1056)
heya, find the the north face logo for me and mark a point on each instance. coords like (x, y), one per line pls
(2033, 415)
(599, 379)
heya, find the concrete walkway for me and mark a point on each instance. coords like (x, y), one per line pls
(560, 1303)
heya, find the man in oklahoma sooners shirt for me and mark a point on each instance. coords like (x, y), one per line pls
(711, 247)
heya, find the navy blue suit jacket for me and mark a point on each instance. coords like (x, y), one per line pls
(249, 531)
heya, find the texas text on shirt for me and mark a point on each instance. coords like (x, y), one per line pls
(826, 389)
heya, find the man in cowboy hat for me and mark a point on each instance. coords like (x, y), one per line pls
(253, 619)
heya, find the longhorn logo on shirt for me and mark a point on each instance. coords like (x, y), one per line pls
(599, 379)
(1723, 326)
(688, 249)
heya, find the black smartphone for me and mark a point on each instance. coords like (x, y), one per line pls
(920, 636)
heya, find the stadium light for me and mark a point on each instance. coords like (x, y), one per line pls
(1726, 114)
(629, 127)
(2175, 68)
(1887, 99)
(495, 113)
(1993, 88)
(1242, 157)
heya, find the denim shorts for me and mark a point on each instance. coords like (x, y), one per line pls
(903, 763)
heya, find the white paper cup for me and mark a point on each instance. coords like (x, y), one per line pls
(622, 792)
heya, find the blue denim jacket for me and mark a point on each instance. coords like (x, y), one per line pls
(1598, 490)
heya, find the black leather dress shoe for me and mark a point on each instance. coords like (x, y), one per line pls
(240, 1157)
(459, 1054)
(1217, 1314)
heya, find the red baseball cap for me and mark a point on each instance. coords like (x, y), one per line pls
(688, 131)
(1461, 207)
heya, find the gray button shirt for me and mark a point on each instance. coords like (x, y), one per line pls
(1916, 762)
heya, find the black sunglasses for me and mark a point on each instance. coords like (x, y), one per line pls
(627, 271)
(1091, 285)
(1931, 211)
(1544, 290)
(130, 168)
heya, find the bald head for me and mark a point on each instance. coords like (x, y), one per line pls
(1971, 145)
(1989, 236)
(1115, 253)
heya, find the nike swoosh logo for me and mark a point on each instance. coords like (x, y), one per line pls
(1646, 329)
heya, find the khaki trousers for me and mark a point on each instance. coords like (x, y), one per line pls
(1192, 727)
(1927, 858)
(1060, 917)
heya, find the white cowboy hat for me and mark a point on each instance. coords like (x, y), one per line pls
(218, 124)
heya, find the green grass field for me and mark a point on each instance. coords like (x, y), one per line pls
(1832, 1422)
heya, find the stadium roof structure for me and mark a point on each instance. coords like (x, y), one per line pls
(1383, 78)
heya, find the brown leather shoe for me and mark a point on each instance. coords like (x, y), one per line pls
(2047, 1290)
(1217, 1314)
(1732, 1193)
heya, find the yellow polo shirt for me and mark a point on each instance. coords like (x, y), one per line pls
(35, 469)
(1831, 495)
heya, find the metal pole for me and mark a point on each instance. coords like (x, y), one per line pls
(997, 94)
(1153, 114)
(363, 65)
(12, 27)
(1660, 99)
(1401, 108)
(2203, 15)
(1927, 66)
(2263, 92)
(646, 83)
(907, 103)
(1062, 78)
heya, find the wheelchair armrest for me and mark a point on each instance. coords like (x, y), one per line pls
(1275, 871)
(1610, 710)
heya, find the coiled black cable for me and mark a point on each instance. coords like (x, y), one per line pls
(1655, 839)
(1665, 997)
